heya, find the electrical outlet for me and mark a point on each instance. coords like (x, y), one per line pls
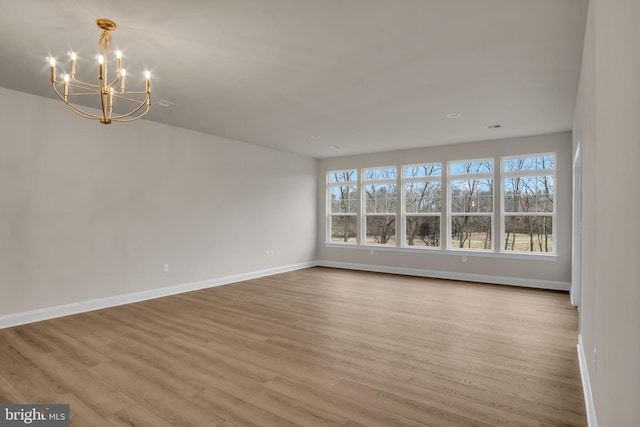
(370, 251)
(165, 268)
(464, 258)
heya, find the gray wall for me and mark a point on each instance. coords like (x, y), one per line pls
(91, 211)
(512, 270)
(607, 123)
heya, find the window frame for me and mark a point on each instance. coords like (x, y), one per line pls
(363, 201)
(404, 180)
(450, 214)
(330, 214)
(504, 174)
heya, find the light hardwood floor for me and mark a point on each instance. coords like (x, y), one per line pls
(315, 347)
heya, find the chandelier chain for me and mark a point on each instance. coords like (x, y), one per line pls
(105, 39)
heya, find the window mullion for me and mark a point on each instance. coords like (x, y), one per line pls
(496, 229)
(534, 172)
(361, 209)
(447, 223)
(401, 227)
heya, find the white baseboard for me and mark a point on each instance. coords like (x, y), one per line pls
(22, 318)
(500, 280)
(47, 313)
(592, 420)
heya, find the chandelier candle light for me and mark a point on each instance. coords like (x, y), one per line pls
(139, 102)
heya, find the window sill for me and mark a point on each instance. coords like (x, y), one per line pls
(536, 256)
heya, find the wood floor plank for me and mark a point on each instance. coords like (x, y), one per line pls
(82, 415)
(313, 347)
(25, 377)
(205, 368)
(569, 402)
(74, 377)
(8, 392)
(168, 405)
(412, 409)
(450, 397)
(365, 413)
(236, 366)
(136, 415)
(237, 410)
(401, 368)
(169, 377)
(294, 411)
(289, 366)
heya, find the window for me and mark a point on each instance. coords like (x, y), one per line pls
(471, 204)
(528, 203)
(342, 192)
(379, 193)
(448, 206)
(422, 205)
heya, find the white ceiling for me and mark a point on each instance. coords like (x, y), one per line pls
(303, 75)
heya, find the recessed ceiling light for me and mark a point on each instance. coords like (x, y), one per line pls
(454, 116)
(335, 147)
(164, 103)
(495, 126)
(315, 136)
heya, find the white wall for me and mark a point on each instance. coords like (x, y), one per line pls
(555, 274)
(92, 211)
(607, 123)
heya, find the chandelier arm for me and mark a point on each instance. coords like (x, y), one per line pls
(127, 92)
(74, 108)
(83, 94)
(85, 84)
(94, 90)
(83, 113)
(121, 120)
(118, 95)
(117, 79)
(126, 98)
(142, 104)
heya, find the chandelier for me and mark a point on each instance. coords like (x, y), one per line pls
(137, 103)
